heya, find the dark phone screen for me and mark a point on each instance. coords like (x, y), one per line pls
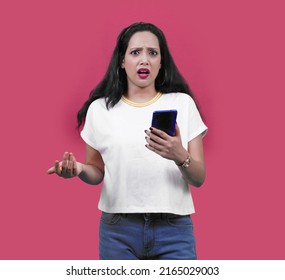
(165, 121)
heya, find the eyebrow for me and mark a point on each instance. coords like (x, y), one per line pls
(140, 48)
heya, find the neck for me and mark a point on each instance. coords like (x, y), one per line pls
(141, 95)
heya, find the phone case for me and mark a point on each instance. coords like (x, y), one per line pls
(165, 120)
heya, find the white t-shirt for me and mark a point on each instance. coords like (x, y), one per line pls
(136, 179)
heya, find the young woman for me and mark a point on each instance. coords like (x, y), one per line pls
(145, 200)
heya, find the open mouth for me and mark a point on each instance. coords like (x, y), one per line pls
(143, 73)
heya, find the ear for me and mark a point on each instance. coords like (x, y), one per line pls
(123, 64)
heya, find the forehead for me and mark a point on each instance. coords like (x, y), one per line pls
(143, 38)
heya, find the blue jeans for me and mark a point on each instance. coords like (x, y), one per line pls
(149, 236)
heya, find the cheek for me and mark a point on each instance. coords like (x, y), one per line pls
(127, 64)
(157, 64)
(157, 67)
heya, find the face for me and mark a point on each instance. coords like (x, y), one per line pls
(142, 60)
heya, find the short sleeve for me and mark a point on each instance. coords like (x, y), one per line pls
(196, 124)
(87, 133)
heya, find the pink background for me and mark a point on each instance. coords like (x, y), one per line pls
(231, 53)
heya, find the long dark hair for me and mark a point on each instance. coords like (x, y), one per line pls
(114, 84)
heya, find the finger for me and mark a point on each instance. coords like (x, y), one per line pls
(65, 163)
(147, 132)
(51, 170)
(156, 139)
(159, 133)
(72, 157)
(57, 167)
(153, 145)
(150, 141)
(70, 165)
(153, 149)
(74, 165)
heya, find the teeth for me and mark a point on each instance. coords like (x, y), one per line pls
(143, 71)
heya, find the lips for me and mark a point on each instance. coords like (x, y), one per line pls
(143, 73)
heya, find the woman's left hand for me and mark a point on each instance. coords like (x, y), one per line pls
(169, 147)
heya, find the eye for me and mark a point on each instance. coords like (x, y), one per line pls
(153, 52)
(135, 52)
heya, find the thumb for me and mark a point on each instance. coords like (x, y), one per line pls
(51, 170)
(177, 130)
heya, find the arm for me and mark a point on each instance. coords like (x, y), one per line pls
(92, 172)
(195, 173)
(93, 169)
(171, 148)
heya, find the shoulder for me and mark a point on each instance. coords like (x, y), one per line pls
(97, 107)
(179, 97)
(97, 104)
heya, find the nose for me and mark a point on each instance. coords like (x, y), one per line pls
(144, 60)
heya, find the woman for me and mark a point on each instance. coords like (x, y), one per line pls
(145, 199)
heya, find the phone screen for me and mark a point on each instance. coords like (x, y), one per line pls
(165, 120)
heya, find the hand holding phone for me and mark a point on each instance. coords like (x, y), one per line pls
(165, 120)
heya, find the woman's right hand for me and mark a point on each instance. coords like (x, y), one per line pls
(67, 168)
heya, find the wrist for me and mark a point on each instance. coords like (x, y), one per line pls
(181, 155)
(185, 163)
(79, 168)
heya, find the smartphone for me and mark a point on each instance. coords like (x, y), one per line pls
(165, 120)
